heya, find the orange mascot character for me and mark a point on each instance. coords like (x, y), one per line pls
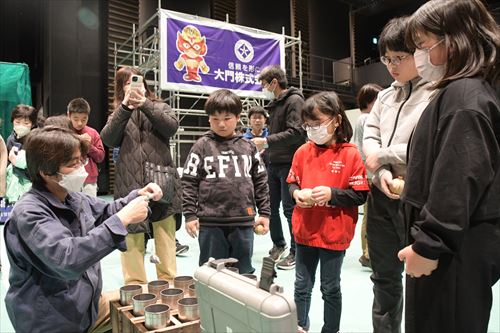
(192, 47)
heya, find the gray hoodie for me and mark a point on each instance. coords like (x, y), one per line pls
(391, 122)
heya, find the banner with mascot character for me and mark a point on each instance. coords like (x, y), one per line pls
(201, 55)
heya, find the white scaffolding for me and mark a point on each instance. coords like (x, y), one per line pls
(142, 50)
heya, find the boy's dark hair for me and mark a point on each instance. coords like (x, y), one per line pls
(367, 94)
(328, 103)
(393, 36)
(61, 120)
(274, 72)
(257, 110)
(78, 105)
(49, 148)
(25, 111)
(223, 100)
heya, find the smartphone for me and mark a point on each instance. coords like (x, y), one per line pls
(136, 83)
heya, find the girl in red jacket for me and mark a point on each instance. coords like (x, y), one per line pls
(328, 182)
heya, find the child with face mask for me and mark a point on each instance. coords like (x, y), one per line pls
(24, 119)
(327, 181)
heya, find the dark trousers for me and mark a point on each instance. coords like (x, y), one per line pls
(306, 263)
(457, 296)
(386, 234)
(227, 242)
(278, 193)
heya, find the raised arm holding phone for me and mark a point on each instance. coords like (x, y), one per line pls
(142, 126)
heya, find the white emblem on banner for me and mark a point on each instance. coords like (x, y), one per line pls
(243, 50)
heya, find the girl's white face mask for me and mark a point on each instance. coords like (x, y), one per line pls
(319, 135)
(73, 181)
(426, 70)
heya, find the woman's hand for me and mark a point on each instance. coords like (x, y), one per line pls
(192, 228)
(137, 98)
(135, 211)
(126, 100)
(152, 191)
(416, 265)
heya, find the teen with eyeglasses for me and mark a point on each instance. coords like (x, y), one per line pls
(387, 130)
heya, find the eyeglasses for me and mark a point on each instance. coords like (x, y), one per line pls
(396, 61)
(317, 126)
(428, 50)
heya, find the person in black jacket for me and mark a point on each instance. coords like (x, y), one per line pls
(224, 179)
(452, 192)
(285, 137)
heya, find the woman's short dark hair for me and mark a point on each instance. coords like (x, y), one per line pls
(24, 111)
(470, 33)
(367, 94)
(49, 148)
(223, 100)
(121, 77)
(393, 36)
(328, 103)
(272, 72)
(257, 110)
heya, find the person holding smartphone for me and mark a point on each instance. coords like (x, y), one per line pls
(142, 126)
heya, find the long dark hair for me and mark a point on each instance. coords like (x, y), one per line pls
(328, 103)
(122, 76)
(470, 33)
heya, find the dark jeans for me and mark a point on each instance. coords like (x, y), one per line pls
(386, 236)
(306, 262)
(227, 242)
(278, 193)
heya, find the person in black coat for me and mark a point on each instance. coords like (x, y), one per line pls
(452, 191)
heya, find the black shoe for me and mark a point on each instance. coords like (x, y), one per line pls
(287, 263)
(365, 262)
(180, 249)
(277, 252)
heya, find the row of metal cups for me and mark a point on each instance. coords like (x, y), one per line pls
(182, 297)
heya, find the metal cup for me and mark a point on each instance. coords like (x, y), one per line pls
(170, 297)
(157, 316)
(140, 301)
(154, 287)
(188, 309)
(183, 282)
(129, 291)
(192, 290)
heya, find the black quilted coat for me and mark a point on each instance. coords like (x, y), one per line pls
(143, 135)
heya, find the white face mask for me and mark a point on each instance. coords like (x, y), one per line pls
(319, 135)
(426, 70)
(269, 94)
(21, 130)
(73, 181)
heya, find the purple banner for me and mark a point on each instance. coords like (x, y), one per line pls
(203, 55)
